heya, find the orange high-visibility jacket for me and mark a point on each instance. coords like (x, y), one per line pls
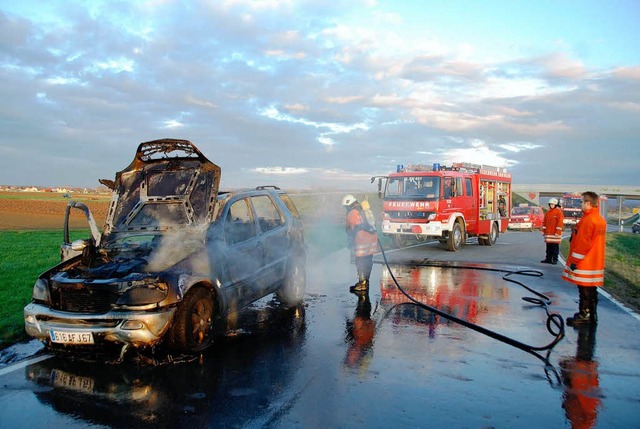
(552, 225)
(366, 243)
(587, 250)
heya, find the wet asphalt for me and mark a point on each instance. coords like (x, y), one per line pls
(373, 360)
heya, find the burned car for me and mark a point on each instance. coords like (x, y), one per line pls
(175, 258)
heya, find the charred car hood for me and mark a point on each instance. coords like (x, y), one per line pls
(170, 185)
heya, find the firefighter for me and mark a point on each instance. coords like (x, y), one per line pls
(581, 397)
(361, 239)
(502, 206)
(552, 231)
(585, 263)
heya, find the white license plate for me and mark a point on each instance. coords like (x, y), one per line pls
(70, 381)
(62, 337)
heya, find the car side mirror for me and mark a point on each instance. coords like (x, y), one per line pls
(78, 245)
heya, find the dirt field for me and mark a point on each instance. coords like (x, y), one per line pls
(47, 213)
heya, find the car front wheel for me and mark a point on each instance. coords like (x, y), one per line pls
(192, 329)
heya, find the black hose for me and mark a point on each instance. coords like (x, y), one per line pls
(555, 322)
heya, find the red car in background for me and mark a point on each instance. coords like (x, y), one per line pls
(526, 217)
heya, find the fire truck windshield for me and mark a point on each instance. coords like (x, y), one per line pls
(572, 202)
(413, 188)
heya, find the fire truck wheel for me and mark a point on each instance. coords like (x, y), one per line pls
(493, 235)
(399, 241)
(482, 241)
(455, 238)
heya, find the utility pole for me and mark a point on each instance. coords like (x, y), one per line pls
(620, 200)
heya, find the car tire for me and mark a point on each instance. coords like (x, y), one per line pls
(456, 238)
(292, 290)
(192, 328)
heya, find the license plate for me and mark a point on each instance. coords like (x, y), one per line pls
(70, 381)
(62, 337)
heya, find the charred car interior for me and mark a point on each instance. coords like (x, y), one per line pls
(176, 256)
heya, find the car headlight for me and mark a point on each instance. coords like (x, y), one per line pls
(41, 291)
(143, 295)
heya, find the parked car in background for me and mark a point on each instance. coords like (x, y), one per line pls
(526, 217)
(635, 228)
(174, 259)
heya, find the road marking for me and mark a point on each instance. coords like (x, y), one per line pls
(22, 364)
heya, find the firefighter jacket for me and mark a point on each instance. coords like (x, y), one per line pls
(552, 225)
(586, 251)
(361, 236)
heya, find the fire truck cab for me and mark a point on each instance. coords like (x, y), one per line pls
(445, 203)
(571, 204)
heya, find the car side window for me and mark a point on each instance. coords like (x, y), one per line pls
(239, 225)
(269, 217)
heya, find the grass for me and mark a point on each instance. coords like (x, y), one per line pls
(25, 255)
(622, 267)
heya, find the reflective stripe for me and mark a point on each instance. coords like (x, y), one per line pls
(552, 239)
(577, 255)
(584, 277)
(588, 272)
(365, 249)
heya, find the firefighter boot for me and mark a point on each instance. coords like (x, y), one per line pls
(361, 286)
(587, 307)
(554, 259)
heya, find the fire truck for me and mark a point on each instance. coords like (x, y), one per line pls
(571, 204)
(445, 203)
(571, 208)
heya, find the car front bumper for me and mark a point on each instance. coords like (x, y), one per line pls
(521, 225)
(137, 328)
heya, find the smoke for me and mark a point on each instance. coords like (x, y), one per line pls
(174, 247)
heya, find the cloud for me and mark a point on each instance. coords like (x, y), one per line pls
(325, 93)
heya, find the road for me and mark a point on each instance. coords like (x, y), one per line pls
(343, 360)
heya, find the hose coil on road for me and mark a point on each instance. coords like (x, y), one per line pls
(554, 323)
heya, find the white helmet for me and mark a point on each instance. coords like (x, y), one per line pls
(553, 201)
(348, 200)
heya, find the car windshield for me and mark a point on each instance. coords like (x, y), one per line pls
(413, 187)
(151, 241)
(521, 210)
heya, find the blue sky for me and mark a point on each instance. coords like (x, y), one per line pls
(310, 94)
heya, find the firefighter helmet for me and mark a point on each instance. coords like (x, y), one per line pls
(553, 201)
(348, 200)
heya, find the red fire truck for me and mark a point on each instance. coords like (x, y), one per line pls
(571, 204)
(446, 203)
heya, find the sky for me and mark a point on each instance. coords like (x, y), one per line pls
(321, 95)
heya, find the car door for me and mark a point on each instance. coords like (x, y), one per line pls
(275, 238)
(244, 256)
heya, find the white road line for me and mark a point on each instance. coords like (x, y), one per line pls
(23, 363)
